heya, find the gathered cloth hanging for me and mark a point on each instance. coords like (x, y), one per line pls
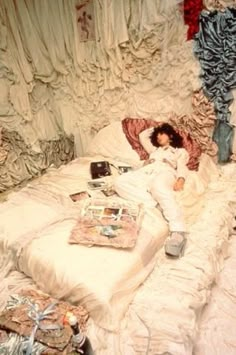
(215, 47)
(192, 9)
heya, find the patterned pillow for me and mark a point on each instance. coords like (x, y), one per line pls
(132, 127)
(107, 222)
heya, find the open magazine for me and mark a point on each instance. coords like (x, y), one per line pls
(111, 213)
(106, 222)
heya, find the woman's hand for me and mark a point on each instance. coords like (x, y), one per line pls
(148, 161)
(179, 184)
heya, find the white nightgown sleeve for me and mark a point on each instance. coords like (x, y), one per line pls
(182, 160)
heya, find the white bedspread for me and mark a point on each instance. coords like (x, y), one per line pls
(164, 316)
(35, 227)
(102, 279)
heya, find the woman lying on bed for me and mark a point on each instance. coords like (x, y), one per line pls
(163, 173)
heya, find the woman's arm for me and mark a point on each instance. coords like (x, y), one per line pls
(148, 161)
(182, 169)
(144, 138)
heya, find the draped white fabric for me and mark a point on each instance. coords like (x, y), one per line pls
(54, 82)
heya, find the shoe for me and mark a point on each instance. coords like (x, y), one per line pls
(175, 244)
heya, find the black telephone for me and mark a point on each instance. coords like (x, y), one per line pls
(99, 169)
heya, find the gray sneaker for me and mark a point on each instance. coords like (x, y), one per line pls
(175, 244)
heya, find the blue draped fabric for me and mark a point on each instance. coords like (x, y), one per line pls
(215, 47)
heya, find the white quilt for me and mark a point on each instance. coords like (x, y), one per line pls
(35, 225)
(164, 317)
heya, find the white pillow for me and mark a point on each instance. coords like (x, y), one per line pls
(111, 142)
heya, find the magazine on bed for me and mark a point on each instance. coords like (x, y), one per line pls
(111, 213)
(78, 196)
(108, 222)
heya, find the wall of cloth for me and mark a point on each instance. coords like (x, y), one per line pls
(212, 25)
(215, 47)
(69, 67)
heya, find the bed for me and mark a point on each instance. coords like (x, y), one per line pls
(36, 223)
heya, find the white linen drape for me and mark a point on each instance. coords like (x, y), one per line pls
(89, 84)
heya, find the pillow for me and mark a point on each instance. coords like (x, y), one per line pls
(132, 127)
(107, 222)
(111, 142)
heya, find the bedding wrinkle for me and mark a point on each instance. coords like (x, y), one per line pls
(149, 227)
(117, 304)
(107, 266)
(33, 248)
(175, 325)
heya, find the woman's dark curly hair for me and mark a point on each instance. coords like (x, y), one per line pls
(176, 140)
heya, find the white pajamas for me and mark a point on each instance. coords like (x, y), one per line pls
(154, 183)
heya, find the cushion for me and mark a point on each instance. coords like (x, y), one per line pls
(111, 142)
(107, 222)
(132, 127)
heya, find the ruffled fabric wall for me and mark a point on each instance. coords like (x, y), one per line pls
(221, 5)
(56, 85)
(215, 46)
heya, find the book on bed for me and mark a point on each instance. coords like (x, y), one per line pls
(108, 223)
(78, 196)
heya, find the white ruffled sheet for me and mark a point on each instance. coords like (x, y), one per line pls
(101, 279)
(39, 217)
(218, 323)
(165, 315)
(165, 312)
(36, 223)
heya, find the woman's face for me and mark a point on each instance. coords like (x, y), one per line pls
(163, 139)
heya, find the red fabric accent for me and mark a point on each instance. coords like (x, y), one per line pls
(132, 127)
(192, 9)
(193, 148)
